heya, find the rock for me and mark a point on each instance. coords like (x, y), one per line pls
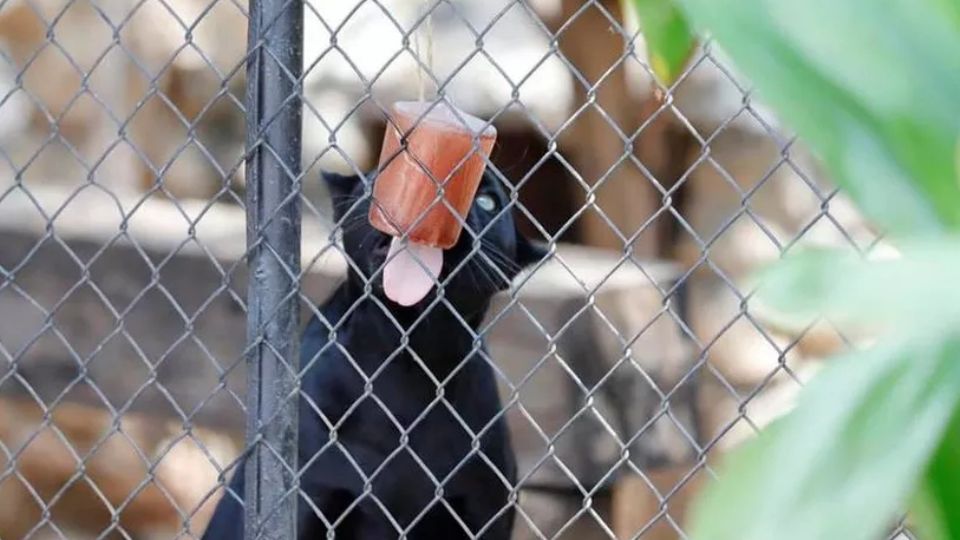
(742, 350)
(731, 415)
(115, 456)
(580, 385)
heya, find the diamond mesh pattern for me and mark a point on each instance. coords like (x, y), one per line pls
(150, 157)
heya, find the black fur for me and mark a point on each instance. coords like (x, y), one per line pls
(466, 449)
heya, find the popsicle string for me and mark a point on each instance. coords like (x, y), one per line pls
(429, 41)
(416, 49)
(421, 76)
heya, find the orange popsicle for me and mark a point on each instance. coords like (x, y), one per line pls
(443, 142)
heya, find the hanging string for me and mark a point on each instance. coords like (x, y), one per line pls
(416, 49)
(430, 41)
(421, 76)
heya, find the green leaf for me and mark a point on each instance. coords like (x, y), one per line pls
(913, 293)
(938, 506)
(670, 41)
(845, 461)
(870, 85)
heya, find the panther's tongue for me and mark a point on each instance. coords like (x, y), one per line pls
(412, 270)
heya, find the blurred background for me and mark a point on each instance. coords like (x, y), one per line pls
(632, 360)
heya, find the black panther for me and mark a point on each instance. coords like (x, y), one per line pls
(401, 428)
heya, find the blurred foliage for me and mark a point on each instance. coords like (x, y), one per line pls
(872, 88)
(842, 464)
(938, 504)
(670, 41)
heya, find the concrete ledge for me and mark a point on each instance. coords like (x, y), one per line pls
(146, 321)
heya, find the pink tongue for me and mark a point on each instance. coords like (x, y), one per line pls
(405, 280)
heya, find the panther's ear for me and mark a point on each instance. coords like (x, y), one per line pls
(341, 189)
(530, 252)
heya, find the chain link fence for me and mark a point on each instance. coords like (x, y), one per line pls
(173, 172)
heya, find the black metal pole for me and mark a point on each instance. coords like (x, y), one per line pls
(273, 235)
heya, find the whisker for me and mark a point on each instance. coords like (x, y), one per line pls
(495, 262)
(352, 224)
(347, 223)
(491, 247)
(499, 257)
(479, 271)
(493, 275)
(473, 277)
(349, 197)
(367, 237)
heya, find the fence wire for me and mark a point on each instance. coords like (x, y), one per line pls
(166, 184)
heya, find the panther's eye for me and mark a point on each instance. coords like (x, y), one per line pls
(486, 202)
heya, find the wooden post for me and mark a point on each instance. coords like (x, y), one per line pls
(626, 196)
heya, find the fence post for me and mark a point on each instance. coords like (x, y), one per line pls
(274, 69)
